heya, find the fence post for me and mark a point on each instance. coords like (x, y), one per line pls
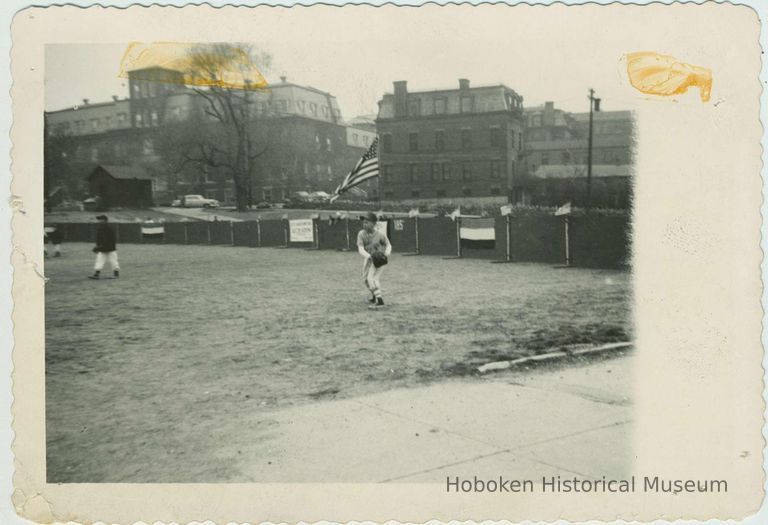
(567, 242)
(458, 236)
(258, 233)
(232, 233)
(285, 231)
(208, 231)
(509, 238)
(316, 234)
(347, 233)
(416, 226)
(186, 233)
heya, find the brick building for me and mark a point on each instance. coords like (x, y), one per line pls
(556, 156)
(459, 145)
(306, 144)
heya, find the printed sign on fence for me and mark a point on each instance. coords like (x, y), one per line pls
(399, 225)
(382, 226)
(301, 230)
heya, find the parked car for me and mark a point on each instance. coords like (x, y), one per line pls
(263, 204)
(198, 201)
(176, 203)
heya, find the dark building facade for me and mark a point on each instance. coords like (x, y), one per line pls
(304, 143)
(457, 145)
(121, 186)
(556, 157)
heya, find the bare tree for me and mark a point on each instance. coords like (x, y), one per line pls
(227, 79)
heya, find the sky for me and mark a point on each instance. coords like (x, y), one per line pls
(77, 71)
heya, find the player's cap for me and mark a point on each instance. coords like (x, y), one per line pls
(370, 216)
(101, 218)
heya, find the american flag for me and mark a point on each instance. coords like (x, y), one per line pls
(367, 168)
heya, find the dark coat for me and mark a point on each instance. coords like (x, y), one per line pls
(56, 236)
(105, 238)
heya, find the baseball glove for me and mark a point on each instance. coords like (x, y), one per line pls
(95, 249)
(379, 259)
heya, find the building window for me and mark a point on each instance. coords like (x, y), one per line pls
(267, 194)
(328, 143)
(386, 173)
(413, 141)
(108, 122)
(495, 169)
(566, 157)
(138, 120)
(414, 173)
(386, 143)
(495, 137)
(441, 193)
(155, 119)
(415, 194)
(94, 124)
(366, 140)
(495, 190)
(301, 105)
(439, 106)
(148, 147)
(354, 138)
(317, 142)
(313, 108)
(446, 172)
(466, 138)
(94, 154)
(440, 140)
(466, 171)
(434, 174)
(544, 159)
(467, 192)
(466, 104)
(414, 108)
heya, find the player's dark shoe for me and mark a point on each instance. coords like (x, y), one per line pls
(372, 300)
(117, 274)
(95, 277)
(377, 305)
(57, 254)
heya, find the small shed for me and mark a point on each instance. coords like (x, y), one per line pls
(121, 186)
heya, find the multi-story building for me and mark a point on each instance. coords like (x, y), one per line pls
(556, 156)
(299, 130)
(459, 144)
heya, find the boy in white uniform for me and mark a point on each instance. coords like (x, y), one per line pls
(373, 245)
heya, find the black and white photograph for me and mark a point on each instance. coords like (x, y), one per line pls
(363, 263)
(445, 244)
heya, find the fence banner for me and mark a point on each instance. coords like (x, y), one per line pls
(152, 232)
(478, 234)
(300, 230)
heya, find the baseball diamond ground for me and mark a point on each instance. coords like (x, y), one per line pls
(147, 374)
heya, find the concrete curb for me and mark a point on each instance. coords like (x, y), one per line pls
(503, 365)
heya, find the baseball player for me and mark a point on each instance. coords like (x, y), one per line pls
(55, 235)
(375, 248)
(105, 249)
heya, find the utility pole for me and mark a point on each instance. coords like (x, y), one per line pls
(594, 104)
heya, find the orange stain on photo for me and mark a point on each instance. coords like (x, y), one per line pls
(220, 65)
(663, 75)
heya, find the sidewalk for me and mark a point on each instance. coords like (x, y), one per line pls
(573, 421)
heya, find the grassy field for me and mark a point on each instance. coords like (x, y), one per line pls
(192, 341)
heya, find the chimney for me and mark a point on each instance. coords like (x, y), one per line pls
(463, 84)
(115, 97)
(283, 79)
(401, 98)
(85, 101)
(549, 114)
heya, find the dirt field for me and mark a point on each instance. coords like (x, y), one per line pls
(151, 369)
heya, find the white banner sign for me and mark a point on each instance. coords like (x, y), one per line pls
(301, 230)
(381, 226)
